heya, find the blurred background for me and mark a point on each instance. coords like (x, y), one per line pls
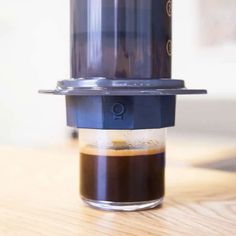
(34, 54)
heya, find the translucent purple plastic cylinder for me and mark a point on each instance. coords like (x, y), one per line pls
(121, 39)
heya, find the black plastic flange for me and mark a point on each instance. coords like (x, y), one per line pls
(120, 112)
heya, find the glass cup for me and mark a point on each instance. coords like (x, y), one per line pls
(122, 170)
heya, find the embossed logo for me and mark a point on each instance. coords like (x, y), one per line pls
(168, 47)
(118, 110)
(169, 8)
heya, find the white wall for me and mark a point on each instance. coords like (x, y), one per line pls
(34, 54)
(213, 67)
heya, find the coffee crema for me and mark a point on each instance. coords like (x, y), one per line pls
(118, 175)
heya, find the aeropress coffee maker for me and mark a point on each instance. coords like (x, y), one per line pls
(121, 98)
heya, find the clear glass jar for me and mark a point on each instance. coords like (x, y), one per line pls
(122, 169)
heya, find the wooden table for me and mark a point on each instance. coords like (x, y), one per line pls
(39, 196)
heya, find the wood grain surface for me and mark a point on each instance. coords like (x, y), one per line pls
(39, 197)
(200, 150)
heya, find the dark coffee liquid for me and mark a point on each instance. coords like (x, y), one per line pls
(122, 178)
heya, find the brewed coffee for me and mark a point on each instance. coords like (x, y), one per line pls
(122, 175)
